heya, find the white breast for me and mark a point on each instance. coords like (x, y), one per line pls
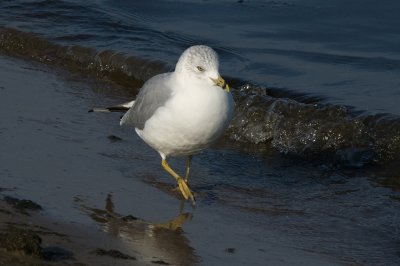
(191, 121)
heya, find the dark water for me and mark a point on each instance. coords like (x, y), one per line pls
(346, 51)
(314, 148)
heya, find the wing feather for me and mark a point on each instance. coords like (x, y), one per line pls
(154, 93)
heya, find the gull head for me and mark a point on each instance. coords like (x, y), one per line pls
(199, 64)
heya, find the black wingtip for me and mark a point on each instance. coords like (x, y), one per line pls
(121, 109)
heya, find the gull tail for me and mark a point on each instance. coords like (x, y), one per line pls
(116, 108)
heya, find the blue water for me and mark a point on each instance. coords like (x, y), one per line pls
(344, 51)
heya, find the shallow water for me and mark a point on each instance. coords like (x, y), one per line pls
(298, 179)
(265, 207)
(62, 157)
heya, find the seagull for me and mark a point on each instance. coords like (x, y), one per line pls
(183, 112)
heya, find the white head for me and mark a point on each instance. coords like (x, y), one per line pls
(199, 63)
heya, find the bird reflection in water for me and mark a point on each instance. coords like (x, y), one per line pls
(152, 241)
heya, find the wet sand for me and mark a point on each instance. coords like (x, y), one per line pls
(28, 237)
(103, 192)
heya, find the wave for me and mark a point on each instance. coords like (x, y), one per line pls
(314, 130)
(292, 123)
(128, 71)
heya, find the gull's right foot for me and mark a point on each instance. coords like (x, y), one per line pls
(185, 190)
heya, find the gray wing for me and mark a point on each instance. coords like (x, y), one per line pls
(154, 93)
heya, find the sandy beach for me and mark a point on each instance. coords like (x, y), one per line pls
(30, 238)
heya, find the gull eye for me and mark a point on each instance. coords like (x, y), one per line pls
(199, 68)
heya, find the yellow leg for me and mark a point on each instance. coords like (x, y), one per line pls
(188, 163)
(183, 187)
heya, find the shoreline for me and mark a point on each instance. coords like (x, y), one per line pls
(61, 228)
(29, 238)
(100, 199)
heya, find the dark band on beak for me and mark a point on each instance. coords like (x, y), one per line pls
(220, 82)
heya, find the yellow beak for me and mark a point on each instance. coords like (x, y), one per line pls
(221, 83)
